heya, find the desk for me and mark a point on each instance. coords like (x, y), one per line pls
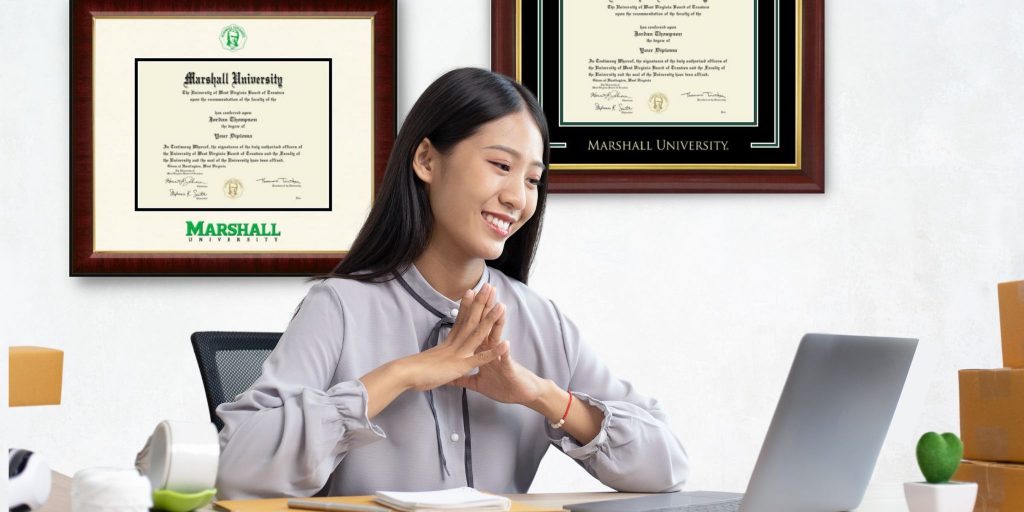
(880, 498)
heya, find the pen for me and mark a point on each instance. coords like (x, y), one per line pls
(340, 507)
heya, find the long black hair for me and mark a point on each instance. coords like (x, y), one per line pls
(399, 225)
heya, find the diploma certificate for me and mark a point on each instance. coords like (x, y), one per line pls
(270, 139)
(657, 62)
(218, 138)
(672, 95)
(233, 134)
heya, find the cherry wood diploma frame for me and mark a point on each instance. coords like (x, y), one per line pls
(215, 137)
(672, 95)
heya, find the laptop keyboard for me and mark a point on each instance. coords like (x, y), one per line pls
(722, 506)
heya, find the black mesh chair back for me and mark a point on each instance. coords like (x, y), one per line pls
(229, 363)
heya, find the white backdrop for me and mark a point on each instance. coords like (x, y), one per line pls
(700, 300)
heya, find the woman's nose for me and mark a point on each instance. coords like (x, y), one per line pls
(513, 194)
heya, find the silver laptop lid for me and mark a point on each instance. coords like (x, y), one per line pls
(830, 423)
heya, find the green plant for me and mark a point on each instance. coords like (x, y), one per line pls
(939, 456)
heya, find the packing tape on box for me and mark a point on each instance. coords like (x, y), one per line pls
(181, 456)
(994, 384)
(991, 440)
(996, 487)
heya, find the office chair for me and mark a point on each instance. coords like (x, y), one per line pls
(229, 363)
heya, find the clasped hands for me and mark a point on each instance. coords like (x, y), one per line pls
(475, 342)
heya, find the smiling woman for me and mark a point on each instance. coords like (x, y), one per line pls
(482, 190)
(493, 115)
(369, 387)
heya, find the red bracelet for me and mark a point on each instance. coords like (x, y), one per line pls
(565, 415)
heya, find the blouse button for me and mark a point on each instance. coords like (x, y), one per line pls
(455, 437)
(455, 312)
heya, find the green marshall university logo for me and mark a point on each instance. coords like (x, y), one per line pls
(202, 228)
(232, 38)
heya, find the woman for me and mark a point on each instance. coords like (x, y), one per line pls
(367, 389)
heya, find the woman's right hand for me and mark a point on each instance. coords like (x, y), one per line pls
(456, 355)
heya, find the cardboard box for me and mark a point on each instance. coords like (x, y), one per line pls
(1011, 323)
(34, 376)
(1000, 486)
(992, 414)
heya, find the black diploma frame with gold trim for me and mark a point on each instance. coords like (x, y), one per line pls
(672, 95)
(213, 137)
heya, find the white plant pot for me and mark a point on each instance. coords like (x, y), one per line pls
(945, 497)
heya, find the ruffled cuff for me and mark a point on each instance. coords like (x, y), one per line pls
(351, 401)
(600, 441)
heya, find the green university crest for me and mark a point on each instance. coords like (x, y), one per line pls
(232, 38)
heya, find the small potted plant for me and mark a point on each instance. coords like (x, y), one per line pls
(938, 456)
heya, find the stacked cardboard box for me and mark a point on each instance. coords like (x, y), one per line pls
(992, 415)
(34, 376)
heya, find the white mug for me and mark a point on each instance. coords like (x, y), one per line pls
(181, 456)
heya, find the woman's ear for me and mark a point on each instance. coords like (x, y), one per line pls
(424, 161)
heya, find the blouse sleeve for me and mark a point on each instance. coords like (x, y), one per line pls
(285, 434)
(635, 450)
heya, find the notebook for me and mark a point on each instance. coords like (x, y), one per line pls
(460, 498)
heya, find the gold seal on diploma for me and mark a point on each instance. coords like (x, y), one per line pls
(233, 188)
(658, 102)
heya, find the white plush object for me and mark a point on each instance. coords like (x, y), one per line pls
(110, 490)
(29, 484)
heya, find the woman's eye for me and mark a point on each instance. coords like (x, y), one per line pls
(504, 167)
(533, 181)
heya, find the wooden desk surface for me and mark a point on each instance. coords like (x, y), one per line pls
(883, 498)
(60, 494)
(520, 502)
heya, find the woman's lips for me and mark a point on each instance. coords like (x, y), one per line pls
(500, 231)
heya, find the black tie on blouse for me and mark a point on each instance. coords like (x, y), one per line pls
(432, 340)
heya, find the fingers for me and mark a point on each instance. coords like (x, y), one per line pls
(473, 306)
(506, 358)
(483, 328)
(493, 298)
(460, 320)
(487, 356)
(482, 300)
(495, 336)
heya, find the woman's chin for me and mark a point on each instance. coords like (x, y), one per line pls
(492, 253)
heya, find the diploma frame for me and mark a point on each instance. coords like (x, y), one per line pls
(523, 34)
(377, 18)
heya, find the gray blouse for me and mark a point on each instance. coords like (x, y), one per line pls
(303, 424)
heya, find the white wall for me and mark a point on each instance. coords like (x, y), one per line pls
(698, 299)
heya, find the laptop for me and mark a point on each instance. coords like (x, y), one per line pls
(823, 440)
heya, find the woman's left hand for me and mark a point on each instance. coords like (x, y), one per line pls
(502, 379)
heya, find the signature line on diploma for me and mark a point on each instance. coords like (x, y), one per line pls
(185, 181)
(610, 95)
(705, 94)
(620, 107)
(286, 181)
